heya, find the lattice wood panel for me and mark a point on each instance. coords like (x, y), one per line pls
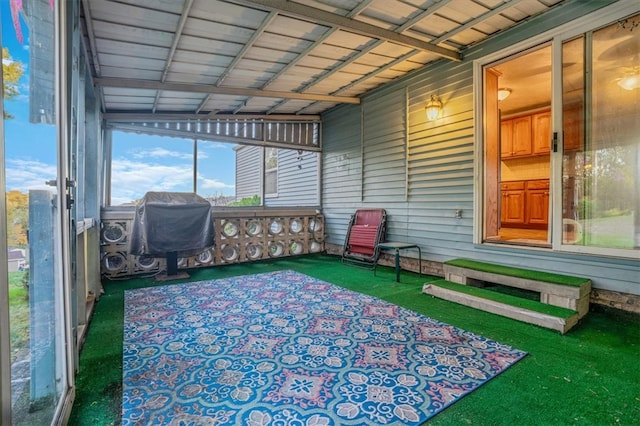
(240, 236)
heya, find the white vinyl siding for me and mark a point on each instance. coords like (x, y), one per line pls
(297, 179)
(341, 169)
(384, 150)
(297, 176)
(248, 172)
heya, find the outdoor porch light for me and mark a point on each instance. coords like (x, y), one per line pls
(503, 93)
(433, 107)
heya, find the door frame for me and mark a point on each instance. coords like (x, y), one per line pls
(61, 244)
(64, 33)
(5, 335)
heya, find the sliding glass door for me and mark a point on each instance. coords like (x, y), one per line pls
(37, 348)
(561, 151)
(601, 149)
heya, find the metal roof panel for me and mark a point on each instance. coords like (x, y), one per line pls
(261, 60)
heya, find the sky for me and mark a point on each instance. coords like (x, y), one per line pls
(141, 163)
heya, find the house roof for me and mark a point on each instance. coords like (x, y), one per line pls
(221, 58)
(15, 254)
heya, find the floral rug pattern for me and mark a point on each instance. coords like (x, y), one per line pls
(283, 348)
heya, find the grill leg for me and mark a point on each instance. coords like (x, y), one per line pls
(172, 263)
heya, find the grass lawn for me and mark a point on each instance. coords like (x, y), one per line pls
(611, 232)
(18, 313)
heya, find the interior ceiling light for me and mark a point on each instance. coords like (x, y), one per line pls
(503, 93)
(433, 107)
(630, 81)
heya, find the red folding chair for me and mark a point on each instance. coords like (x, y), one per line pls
(366, 230)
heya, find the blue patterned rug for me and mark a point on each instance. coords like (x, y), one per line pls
(283, 348)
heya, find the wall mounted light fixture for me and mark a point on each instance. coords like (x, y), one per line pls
(503, 93)
(433, 108)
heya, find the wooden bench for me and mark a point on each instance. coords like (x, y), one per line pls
(556, 290)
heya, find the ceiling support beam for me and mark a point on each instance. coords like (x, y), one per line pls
(492, 12)
(91, 36)
(91, 50)
(419, 17)
(186, 8)
(209, 89)
(300, 57)
(347, 24)
(248, 45)
(128, 117)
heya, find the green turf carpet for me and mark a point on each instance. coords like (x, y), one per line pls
(518, 272)
(590, 376)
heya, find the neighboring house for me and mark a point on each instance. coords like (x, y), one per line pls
(17, 259)
(280, 177)
(248, 171)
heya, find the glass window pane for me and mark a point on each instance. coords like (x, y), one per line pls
(573, 139)
(142, 163)
(271, 172)
(36, 299)
(216, 172)
(601, 164)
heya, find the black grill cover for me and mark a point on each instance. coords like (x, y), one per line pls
(167, 222)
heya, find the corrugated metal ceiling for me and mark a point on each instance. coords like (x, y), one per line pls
(274, 57)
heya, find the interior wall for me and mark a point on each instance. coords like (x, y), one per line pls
(439, 174)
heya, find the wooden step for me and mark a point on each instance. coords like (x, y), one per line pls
(518, 308)
(555, 289)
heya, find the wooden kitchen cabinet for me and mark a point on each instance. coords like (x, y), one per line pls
(513, 199)
(525, 203)
(541, 133)
(515, 137)
(537, 202)
(526, 135)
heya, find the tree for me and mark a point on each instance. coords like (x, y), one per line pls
(247, 201)
(17, 218)
(11, 73)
